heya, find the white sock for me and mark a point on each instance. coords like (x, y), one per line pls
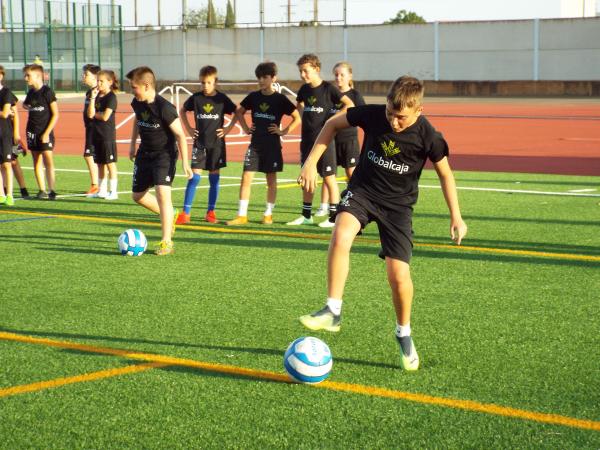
(269, 209)
(102, 184)
(324, 206)
(113, 185)
(402, 330)
(243, 208)
(334, 305)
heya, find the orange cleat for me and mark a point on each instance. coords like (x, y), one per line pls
(211, 217)
(92, 191)
(239, 220)
(182, 219)
(267, 220)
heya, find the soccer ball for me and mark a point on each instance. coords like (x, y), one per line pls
(308, 360)
(132, 243)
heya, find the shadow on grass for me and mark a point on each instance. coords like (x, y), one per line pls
(223, 348)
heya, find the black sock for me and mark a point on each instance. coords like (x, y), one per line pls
(307, 209)
(332, 212)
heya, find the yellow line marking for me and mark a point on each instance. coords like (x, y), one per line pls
(41, 385)
(468, 405)
(321, 237)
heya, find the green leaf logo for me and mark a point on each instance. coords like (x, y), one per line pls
(390, 148)
(312, 100)
(208, 108)
(145, 116)
(264, 107)
(339, 105)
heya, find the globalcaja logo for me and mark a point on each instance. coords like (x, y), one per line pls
(208, 108)
(311, 100)
(144, 122)
(390, 148)
(264, 107)
(97, 105)
(145, 115)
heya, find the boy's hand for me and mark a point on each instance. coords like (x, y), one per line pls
(187, 170)
(458, 230)
(94, 93)
(44, 138)
(132, 153)
(308, 178)
(274, 129)
(250, 130)
(222, 132)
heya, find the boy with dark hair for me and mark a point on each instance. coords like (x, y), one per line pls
(89, 76)
(383, 189)
(208, 150)
(317, 98)
(41, 104)
(9, 137)
(264, 153)
(160, 133)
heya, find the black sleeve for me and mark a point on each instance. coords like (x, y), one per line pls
(189, 103)
(50, 96)
(247, 102)
(13, 99)
(111, 102)
(439, 148)
(228, 107)
(334, 94)
(301, 94)
(358, 116)
(287, 106)
(168, 112)
(5, 98)
(358, 100)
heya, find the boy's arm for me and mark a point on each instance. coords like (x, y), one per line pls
(222, 132)
(239, 113)
(103, 116)
(15, 118)
(458, 228)
(186, 123)
(5, 113)
(347, 102)
(45, 137)
(300, 108)
(274, 129)
(182, 144)
(132, 144)
(308, 176)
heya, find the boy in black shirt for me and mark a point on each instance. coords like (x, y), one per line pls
(161, 134)
(89, 76)
(317, 98)
(383, 189)
(43, 115)
(208, 150)
(9, 136)
(264, 153)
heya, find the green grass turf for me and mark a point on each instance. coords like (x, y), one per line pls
(514, 330)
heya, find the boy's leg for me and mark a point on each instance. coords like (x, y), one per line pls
(306, 217)
(102, 180)
(245, 188)
(113, 181)
(271, 197)
(398, 273)
(147, 200)
(8, 182)
(214, 179)
(93, 170)
(324, 208)
(349, 172)
(38, 170)
(188, 198)
(165, 209)
(334, 198)
(49, 165)
(338, 266)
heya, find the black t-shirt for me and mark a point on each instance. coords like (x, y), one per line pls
(348, 134)
(6, 125)
(153, 120)
(209, 114)
(318, 103)
(38, 103)
(391, 163)
(267, 110)
(86, 120)
(105, 130)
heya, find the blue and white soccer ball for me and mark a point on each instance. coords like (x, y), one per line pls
(308, 360)
(132, 242)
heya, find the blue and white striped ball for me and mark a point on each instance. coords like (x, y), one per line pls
(132, 243)
(308, 360)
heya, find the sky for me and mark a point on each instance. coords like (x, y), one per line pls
(362, 11)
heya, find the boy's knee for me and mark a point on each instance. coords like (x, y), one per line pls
(137, 196)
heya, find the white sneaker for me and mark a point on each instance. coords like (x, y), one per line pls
(112, 196)
(321, 212)
(327, 224)
(101, 194)
(301, 221)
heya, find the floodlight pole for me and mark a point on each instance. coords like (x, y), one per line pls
(262, 30)
(345, 31)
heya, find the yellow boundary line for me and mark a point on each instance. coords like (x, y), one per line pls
(93, 376)
(467, 405)
(321, 237)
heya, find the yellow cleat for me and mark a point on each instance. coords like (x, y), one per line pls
(239, 220)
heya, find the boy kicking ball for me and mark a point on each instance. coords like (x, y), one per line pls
(160, 133)
(383, 189)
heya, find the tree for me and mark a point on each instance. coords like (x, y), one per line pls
(405, 16)
(200, 17)
(211, 16)
(230, 16)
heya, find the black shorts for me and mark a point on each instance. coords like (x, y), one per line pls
(209, 158)
(153, 170)
(105, 152)
(88, 149)
(394, 224)
(347, 152)
(326, 165)
(6, 149)
(265, 161)
(35, 144)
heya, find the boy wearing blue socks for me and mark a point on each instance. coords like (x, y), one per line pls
(208, 152)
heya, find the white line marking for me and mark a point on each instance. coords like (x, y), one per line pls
(583, 190)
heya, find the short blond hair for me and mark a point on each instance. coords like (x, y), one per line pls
(406, 92)
(142, 74)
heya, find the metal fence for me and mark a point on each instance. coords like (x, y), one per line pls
(62, 36)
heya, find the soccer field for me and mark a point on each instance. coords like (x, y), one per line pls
(104, 351)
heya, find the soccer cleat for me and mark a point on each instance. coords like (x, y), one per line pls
(42, 195)
(10, 201)
(175, 218)
(113, 195)
(2, 199)
(52, 195)
(322, 212)
(164, 248)
(327, 224)
(409, 359)
(211, 217)
(239, 220)
(183, 219)
(100, 194)
(91, 191)
(301, 221)
(25, 194)
(323, 319)
(267, 220)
